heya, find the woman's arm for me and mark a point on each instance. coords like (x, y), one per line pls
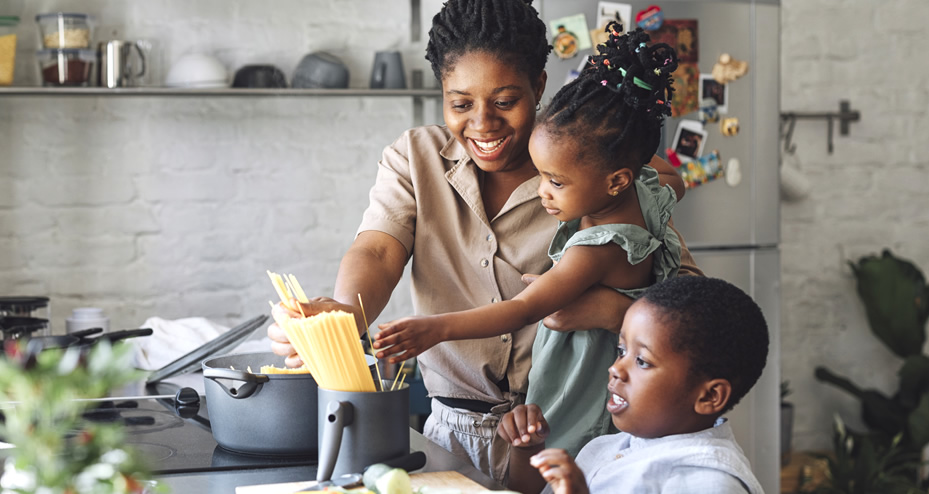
(667, 175)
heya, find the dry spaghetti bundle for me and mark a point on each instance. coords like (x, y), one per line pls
(330, 341)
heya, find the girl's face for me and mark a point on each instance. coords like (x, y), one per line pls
(568, 189)
(652, 391)
(489, 106)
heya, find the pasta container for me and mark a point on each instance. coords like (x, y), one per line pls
(7, 48)
(64, 30)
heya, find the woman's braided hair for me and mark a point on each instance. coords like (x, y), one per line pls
(619, 100)
(509, 29)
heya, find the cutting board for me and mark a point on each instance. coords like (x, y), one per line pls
(447, 480)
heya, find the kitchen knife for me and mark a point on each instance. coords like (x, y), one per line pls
(409, 462)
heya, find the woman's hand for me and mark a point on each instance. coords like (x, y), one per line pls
(523, 426)
(560, 471)
(280, 343)
(406, 338)
(599, 307)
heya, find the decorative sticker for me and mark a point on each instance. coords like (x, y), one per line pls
(729, 127)
(571, 35)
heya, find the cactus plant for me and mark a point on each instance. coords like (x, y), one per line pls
(896, 300)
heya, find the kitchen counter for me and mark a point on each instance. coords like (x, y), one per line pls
(225, 482)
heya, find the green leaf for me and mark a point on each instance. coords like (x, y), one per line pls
(896, 301)
(914, 380)
(918, 422)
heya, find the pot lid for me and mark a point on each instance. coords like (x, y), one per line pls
(217, 346)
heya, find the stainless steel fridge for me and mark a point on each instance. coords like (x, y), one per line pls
(731, 224)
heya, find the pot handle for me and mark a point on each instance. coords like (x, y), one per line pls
(339, 414)
(252, 384)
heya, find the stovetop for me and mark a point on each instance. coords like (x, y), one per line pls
(173, 444)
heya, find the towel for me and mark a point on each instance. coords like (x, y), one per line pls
(172, 339)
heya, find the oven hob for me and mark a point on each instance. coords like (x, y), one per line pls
(172, 444)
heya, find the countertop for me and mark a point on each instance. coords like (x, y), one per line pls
(437, 460)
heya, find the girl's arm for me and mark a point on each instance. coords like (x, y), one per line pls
(579, 269)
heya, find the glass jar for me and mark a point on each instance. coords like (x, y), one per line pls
(64, 30)
(66, 67)
(7, 48)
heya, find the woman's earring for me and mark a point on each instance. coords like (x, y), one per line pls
(538, 106)
(614, 193)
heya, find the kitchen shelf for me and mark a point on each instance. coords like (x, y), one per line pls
(212, 92)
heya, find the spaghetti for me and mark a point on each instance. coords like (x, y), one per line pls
(327, 342)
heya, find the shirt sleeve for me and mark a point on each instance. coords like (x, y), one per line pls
(392, 199)
(697, 479)
(688, 264)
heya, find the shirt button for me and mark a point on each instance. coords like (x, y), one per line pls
(505, 338)
(493, 300)
(490, 238)
(485, 263)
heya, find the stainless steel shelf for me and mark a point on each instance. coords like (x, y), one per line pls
(213, 92)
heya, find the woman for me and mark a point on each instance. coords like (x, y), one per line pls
(460, 202)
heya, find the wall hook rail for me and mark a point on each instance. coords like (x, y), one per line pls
(845, 116)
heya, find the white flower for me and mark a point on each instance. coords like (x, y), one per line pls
(114, 457)
(23, 480)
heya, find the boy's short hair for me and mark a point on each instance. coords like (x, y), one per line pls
(717, 326)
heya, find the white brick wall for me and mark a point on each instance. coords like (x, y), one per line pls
(175, 207)
(868, 195)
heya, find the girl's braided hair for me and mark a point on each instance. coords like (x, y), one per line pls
(619, 100)
(508, 29)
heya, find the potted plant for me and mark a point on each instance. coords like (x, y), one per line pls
(896, 300)
(55, 448)
(787, 422)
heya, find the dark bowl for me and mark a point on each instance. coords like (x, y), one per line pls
(259, 76)
(320, 70)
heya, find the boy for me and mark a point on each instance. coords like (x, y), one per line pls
(690, 348)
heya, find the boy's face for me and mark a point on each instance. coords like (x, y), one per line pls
(652, 391)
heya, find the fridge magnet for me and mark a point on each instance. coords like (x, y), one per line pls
(708, 112)
(688, 139)
(570, 35)
(712, 90)
(686, 89)
(728, 69)
(729, 126)
(705, 169)
(612, 11)
(733, 172)
(680, 34)
(650, 19)
(673, 158)
(608, 12)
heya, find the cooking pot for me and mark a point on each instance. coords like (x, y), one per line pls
(269, 414)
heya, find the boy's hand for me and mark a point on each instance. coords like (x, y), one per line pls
(560, 471)
(406, 338)
(523, 426)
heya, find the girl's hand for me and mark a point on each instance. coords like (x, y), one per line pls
(406, 338)
(560, 471)
(523, 426)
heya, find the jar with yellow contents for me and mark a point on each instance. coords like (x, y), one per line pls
(7, 48)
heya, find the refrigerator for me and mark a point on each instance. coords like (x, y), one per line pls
(731, 223)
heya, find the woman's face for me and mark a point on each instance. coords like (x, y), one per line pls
(489, 106)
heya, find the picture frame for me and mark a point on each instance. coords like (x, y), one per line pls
(689, 139)
(711, 91)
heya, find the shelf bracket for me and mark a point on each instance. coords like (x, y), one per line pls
(845, 116)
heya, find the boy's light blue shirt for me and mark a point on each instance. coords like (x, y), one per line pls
(705, 461)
